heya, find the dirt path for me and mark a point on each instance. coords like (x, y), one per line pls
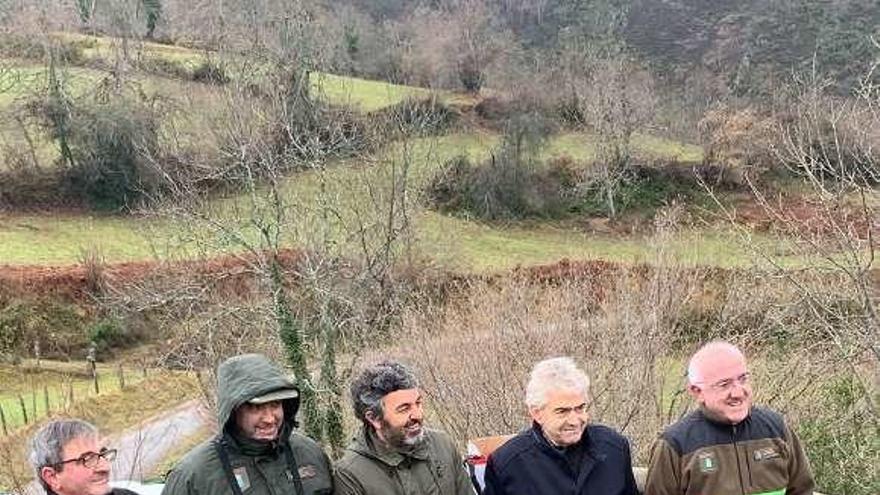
(143, 448)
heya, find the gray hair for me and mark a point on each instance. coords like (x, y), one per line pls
(554, 374)
(695, 365)
(376, 382)
(47, 445)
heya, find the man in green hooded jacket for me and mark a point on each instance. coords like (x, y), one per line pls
(394, 454)
(256, 452)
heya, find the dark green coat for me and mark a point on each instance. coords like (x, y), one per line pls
(433, 468)
(201, 471)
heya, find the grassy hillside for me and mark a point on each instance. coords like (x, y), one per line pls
(60, 239)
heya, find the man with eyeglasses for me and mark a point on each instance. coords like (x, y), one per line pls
(727, 446)
(562, 452)
(69, 459)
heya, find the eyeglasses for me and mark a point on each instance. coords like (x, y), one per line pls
(90, 459)
(726, 384)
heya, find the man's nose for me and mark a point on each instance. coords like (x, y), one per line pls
(267, 414)
(737, 390)
(417, 413)
(102, 466)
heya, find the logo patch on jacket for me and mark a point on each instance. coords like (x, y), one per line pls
(707, 462)
(765, 454)
(307, 471)
(241, 477)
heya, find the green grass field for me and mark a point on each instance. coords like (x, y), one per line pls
(29, 392)
(583, 148)
(365, 95)
(350, 188)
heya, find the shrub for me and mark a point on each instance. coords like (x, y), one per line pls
(739, 142)
(831, 139)
(842, 439)
(418, 117)
(111, 143)
(166, 67)
(210, 72)
(33, 188)
(14, 45)
(498, 190)
(513, 183)
(109, 334)
(59, 327)
(644, 189)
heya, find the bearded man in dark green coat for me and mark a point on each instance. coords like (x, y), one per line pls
(257, 451)
(394, 454)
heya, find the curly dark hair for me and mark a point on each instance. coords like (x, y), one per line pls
(377, 381)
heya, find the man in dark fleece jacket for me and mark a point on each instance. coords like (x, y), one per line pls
(256, 451)
(561, 454)
(727, 446)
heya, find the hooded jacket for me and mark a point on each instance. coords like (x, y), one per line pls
(760, 455)
(258, 468)
(434, 467)
(528, 465)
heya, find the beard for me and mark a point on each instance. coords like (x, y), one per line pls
(403, 437)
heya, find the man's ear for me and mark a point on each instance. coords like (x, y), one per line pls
(694, 390)
(374, 421)
(50, 476)
(535, 414)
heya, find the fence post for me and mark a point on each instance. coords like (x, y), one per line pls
(23, 409)
(46, 398)
(34, 404)
(121, 374)
(92, 357)
(3, 422)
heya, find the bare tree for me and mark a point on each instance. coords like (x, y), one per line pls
(616, 98)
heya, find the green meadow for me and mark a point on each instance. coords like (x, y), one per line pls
(350, 187)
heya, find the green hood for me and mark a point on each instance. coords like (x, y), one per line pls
(244, 377)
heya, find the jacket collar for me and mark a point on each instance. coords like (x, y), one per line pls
(368, 444)
(252, 448)
(592, 457)
(538, 436)
(701, 412)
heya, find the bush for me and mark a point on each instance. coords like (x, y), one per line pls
(110, 143)
(513, 184)
(739, 142)
(166, 67)
(418, 117)
(313, 129)
(59, 327)
(645, 189)
(210, 72)
(499, 190)
(33, 188)
(842, 441)
(31, 47)
(109, 334)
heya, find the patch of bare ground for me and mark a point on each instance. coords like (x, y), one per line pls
(75, 282)
(799, 216)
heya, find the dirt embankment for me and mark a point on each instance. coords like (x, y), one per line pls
(78, 283)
